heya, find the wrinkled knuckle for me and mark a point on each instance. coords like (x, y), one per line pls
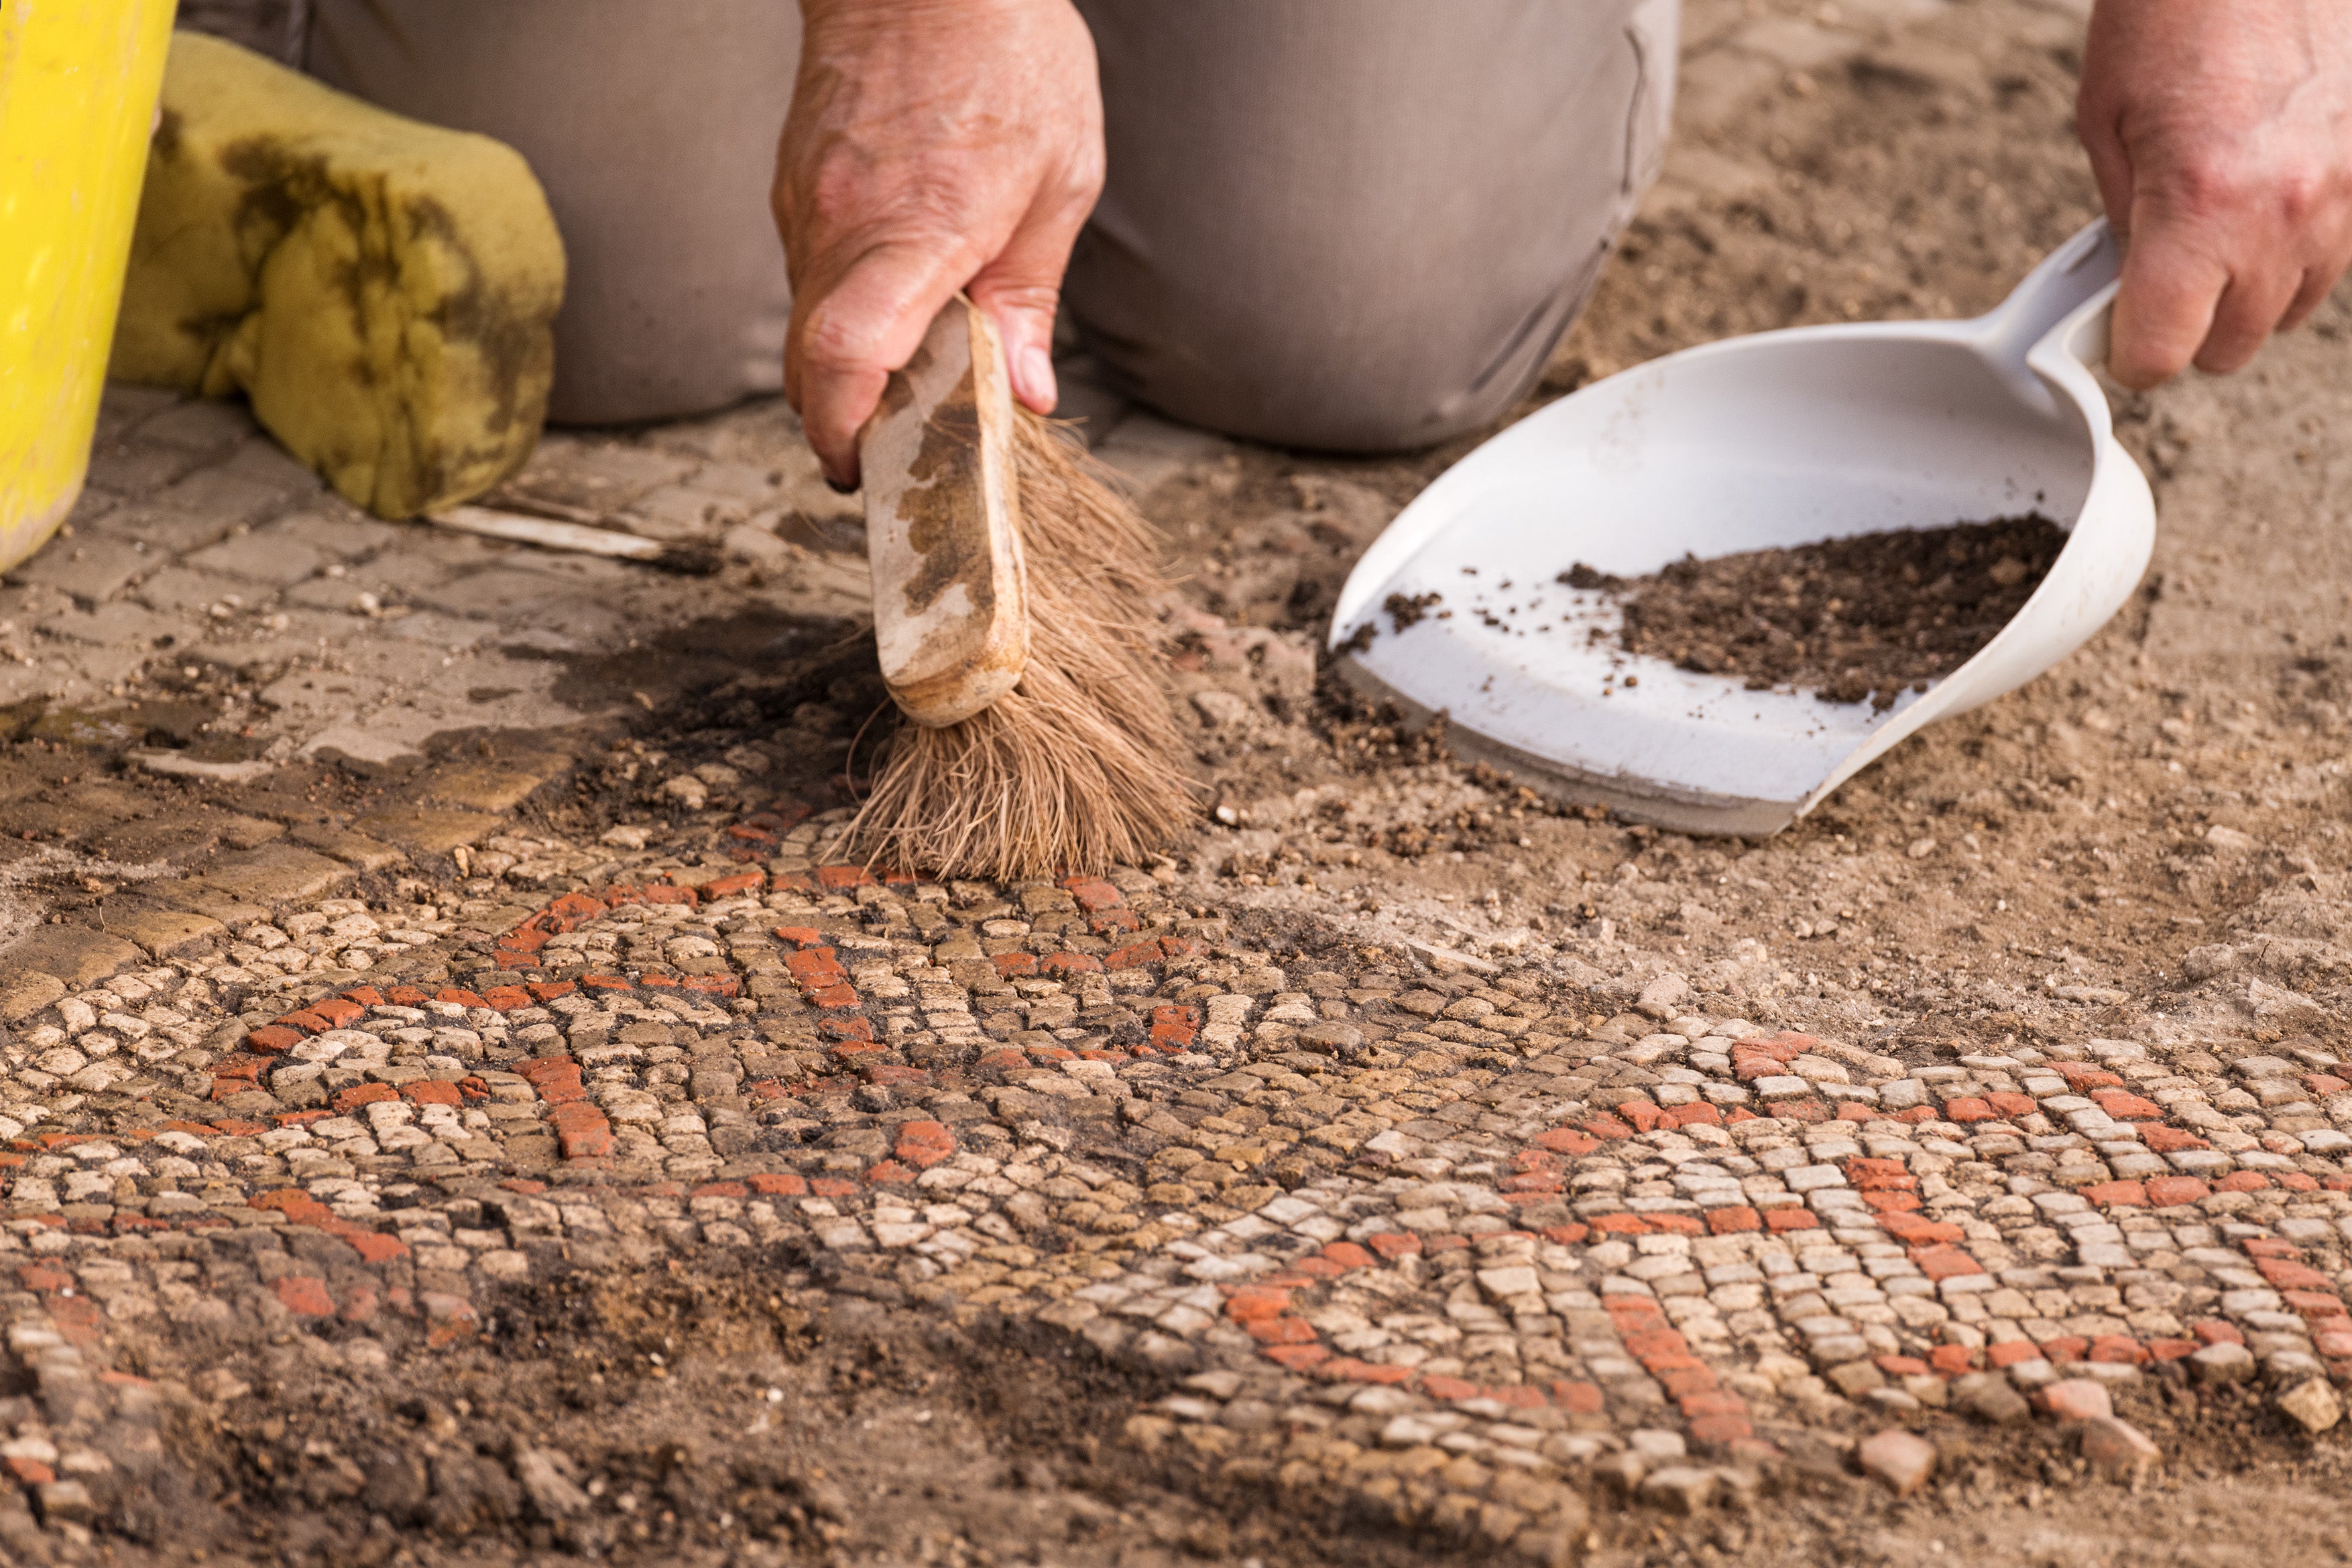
(1088, 169)
(1033, 298)
(2203, 187)
(837, 340)
(2304, 194)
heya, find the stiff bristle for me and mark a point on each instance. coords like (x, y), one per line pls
(1078, 768)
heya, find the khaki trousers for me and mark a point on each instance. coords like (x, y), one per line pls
(1350, 225)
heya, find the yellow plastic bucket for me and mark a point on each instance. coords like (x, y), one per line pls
(78, 80)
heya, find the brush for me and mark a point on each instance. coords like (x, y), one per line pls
(1013, 621)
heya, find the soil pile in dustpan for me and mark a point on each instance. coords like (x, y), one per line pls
(1852, 619)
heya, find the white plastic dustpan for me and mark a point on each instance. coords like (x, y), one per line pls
(1783, 438)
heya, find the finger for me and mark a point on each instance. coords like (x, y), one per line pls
(1021, 287)
(2319, 282)
(2250, 309)
(2164, 311)
(2095, 126)
(854, 334)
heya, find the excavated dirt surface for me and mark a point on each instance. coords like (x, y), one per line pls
(537, 1148)
(1853, 620)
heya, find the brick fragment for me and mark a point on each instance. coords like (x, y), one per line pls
(923, 1144)
(304, 1295)
(582, 1131)
(2125, 1106)
(2287, 1275)
(1250, 1305)
(1724, 1430)
(1283, 1330)
(2169, 1192)
(1578, 1399)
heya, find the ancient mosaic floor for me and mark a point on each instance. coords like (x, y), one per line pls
(1461, 1234)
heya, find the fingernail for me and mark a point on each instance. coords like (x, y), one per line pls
(1037, 375)
(839, 488)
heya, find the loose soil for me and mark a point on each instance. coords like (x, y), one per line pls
(1850, 619)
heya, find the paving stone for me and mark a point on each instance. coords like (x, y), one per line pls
(594, 478)
(141, 470)
(264, 555)
(166, 532)
(1897, 1460)
(163, 932)
(89, 569)
(182, 588)
(262, 460)
(2312, 1403)
(354, 850)
(275, 873)
(426, 830)
(2118, 1451)
(1991, 1397)
(221, 492)
(74, 954)
(342, 532)
(200, 424)
(1679, 1488)
(124, 625)
(2223, 1364)
(498, 785)
(24, 990)
(2076, 1399)
(503, 593)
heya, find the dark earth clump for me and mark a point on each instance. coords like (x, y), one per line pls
(1852, 619)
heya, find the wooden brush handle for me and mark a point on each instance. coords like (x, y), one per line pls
(943, 525)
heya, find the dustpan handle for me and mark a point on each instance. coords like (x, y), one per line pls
(2069, 279)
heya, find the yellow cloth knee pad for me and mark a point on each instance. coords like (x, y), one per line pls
(384, 291)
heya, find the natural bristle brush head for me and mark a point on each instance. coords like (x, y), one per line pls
(1078, 764)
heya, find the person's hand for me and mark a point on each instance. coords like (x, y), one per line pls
(933, 145)
(2221, 132)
